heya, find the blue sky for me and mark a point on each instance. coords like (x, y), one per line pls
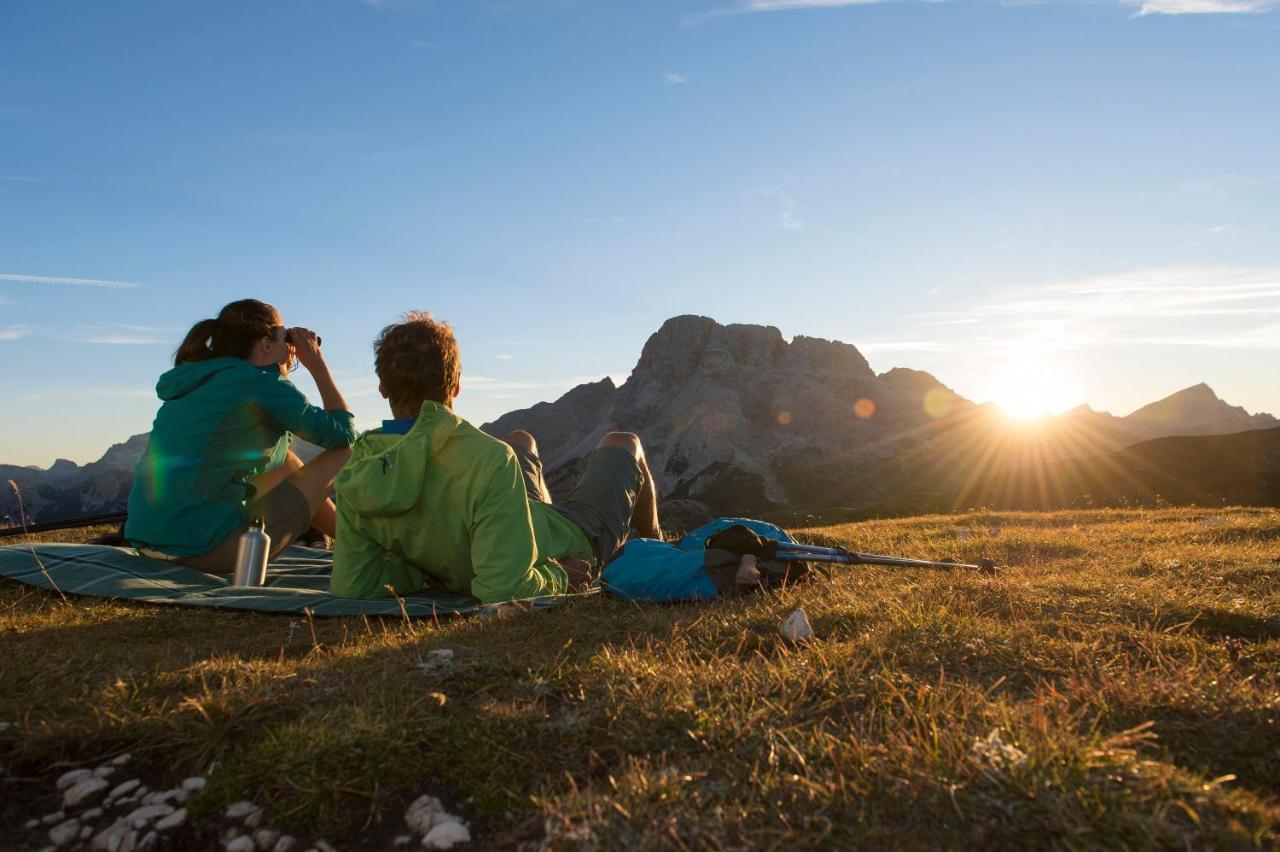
(1076, 196)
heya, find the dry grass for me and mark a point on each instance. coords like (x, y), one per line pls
(1130, 658)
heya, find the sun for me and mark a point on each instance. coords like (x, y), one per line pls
(1029, 390)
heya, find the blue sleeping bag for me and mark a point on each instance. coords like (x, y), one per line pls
(648, 570)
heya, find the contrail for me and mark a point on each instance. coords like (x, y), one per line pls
(73, 282)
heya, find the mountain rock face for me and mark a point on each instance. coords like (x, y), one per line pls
(1197, 410)
(67, 489)
(734, 415)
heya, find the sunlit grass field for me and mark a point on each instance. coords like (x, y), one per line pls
(1118, 686)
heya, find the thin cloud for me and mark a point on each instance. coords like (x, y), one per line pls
(63, 394)
(1214, 307)
(671, 78)
(787, 219)
(504, 357)
(878, 347)
(1202, 7)
(750, 7)
(13, 332)
(421, 44)
(69, 282)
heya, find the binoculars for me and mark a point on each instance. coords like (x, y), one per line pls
(288, 338)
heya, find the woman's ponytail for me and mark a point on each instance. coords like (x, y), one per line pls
(198, 344)
(237, 328)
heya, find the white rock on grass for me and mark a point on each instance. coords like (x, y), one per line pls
(446, 835)
(111, 838)
(194, 784)
(163, 797)
(285, 844)
(121, 760)
(64, 832)
(796, 628)
(91, 814)
(243, 843)
(240, 810)
(324, 846)
(265, 839)
(105, 771)
(173, 820)
(124, 788)
(148, 841)
(139, 817)
(402, 840)
(86, 832)
(441, 653)
(254, 820)
(55, 817)
(66, 779)
(32, 824)
(423, 814)
(83, 792)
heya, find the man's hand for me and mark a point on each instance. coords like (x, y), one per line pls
(306, 345)
(579, 571)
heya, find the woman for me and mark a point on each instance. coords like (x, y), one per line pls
(218, 456)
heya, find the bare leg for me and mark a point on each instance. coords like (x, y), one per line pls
(644, 517)
(522, 440)
(315, 481)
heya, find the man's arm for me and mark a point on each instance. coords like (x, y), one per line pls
(362, 568)
(504, 553)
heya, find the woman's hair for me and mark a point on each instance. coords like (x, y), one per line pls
(232, 333)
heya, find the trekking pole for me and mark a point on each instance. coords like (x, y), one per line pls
(739, 539)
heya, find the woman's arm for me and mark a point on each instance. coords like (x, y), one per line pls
(307, 347)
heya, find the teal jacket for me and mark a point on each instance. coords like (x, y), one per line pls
(221, 421)
(444, 505)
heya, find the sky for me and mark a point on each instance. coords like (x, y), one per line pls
(1076, 200)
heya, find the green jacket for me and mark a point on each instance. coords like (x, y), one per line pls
(221, 421)
(444, 501)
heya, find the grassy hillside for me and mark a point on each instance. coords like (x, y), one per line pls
(1128, 663)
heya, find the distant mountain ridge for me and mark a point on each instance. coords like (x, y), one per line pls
(735, 418)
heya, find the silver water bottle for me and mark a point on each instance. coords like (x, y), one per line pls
(251, 556)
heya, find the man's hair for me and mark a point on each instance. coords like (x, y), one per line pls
(417, 359)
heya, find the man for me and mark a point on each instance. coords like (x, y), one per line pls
(430, 500)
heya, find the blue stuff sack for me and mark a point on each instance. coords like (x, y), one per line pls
(652, 571)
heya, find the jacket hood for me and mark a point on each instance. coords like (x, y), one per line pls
(384, 475)
(188, 376)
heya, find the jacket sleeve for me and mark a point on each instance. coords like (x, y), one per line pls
(504, 553)
(288, 407)
(362, 568)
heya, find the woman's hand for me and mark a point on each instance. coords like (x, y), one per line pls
(306, 345)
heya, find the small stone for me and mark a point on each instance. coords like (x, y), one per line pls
(253, 820)
(122, 759)
(402, 840)
(66, 779)
(86, 832)
(110, 839)
(423, 813)
(32, 824)
(105, 771)
(162, 797)
(795, 627)
(148, 841)
(56, 816)
(239, 810)
(130, 842)
(441, 653)
(4, 726)
(64, 832)
(194, 784)
(147, 813)
(243, 843)
(124, 788)
(173, 820)
(446, 835)
(265, 839)
(91, 814)
(322, 846)
(285, 844)
(83, 792)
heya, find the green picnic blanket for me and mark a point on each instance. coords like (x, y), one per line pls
(297, 582)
